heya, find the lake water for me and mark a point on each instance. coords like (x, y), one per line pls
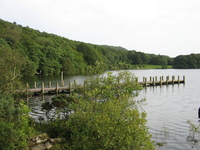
(168, 107)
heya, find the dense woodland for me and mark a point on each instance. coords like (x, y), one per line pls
(191, 61)
(49, 54)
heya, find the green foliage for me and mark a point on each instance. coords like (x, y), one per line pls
(14, 124)
(105, 115)
(193, 128)
(193, 139)
(11, 64)
(62, 101)
(106, 118)
(191, 61)
(154, 67)
(109, 125)
(50, 54)
(139, 58)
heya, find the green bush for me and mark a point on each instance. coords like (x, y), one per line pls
(105, 116)
(14, 124)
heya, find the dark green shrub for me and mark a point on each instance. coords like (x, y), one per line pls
(14, 124)
(106, 116)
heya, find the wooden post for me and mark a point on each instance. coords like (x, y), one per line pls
(61, 76)
(35, 85)
(63, 83)
(150, 78)
(153, 81)
(167, 79)
(178, 79)
(162, 78)
(145, 82)
(42, 88)
(56, 88)
(160, 81)
(173, 80)
(156, 78)
(184, 79)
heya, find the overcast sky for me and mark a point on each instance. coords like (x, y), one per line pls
(166, 27)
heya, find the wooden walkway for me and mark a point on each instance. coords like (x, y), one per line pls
(153, 81)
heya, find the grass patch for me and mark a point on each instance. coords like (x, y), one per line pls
(152, 67)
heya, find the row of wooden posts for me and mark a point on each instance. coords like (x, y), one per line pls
(153, 81)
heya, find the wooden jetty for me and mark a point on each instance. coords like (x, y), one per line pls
(153, 81)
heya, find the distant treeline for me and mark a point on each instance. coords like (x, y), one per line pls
(43, 53)
(191, 61)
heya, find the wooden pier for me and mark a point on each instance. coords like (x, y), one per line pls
(153, 81)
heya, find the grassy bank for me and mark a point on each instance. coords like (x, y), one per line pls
(152, 67)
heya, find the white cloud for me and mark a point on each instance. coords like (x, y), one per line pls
(169, 27)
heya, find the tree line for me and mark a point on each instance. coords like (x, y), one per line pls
(49, 54)
(191, 61)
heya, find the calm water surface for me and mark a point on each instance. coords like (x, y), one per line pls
(168, 107)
